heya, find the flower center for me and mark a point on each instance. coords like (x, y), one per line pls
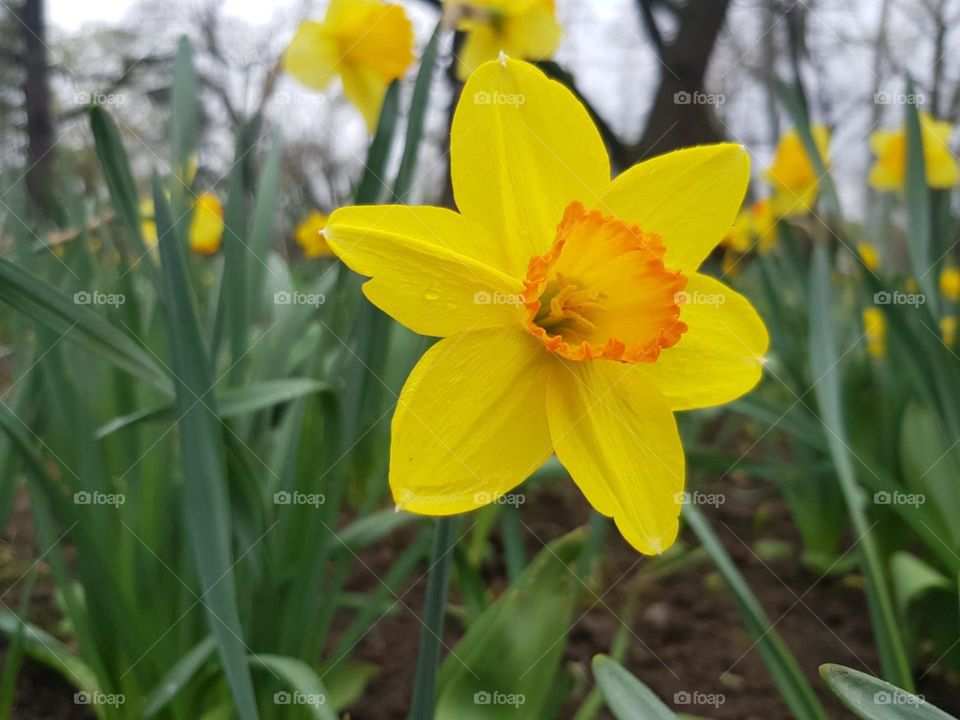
(602, 291)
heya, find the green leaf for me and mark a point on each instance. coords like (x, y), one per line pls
(178, 676)
(123, 189)
(232, 402)
(46, 649)
(308, 690)
(783, 666)
(207, 504)
(913, 578)
(418, 111)
(917, 196)
(370, 528)
(347, 682)
(183, 110)
(505, 664)
(372, 185)
(261, 224)
(69, 317)
(824, 363)
(626, 696)
(873, 699)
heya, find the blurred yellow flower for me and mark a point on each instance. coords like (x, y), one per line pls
(525, 29)
(950, 283)
(310, 238)
(368, 43)
(148, 226)
(206, 225)
(889, 172)
(793, 175)
(868, 254)
(875, 328)
(754, 225)
(948, 329)
(573, 317)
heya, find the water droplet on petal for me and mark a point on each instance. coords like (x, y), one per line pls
(431, 294)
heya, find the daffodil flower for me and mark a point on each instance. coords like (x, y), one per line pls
(868, 255)
(573, 318)
(889, 172)
(793, 175)
(367, 43)
(948, 329)
(520, 28)
(310, 238)
(148, 223)
(950, 284)
(755, 226)
(206, 225)
(875, 328)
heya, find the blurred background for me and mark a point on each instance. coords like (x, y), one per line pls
(827, 532)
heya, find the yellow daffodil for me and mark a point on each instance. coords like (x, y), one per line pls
(948, 329)
(520, 28)
(310, 238)
(889, 172)
(875, 328)
(868, 255)
(792, 173)
(754, 227)
(206, 225)
(573, 318)
(148, 226)
(950, 284)
(368, 43)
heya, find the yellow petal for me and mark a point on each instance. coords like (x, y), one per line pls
(480, 45)
(312, 55)
(365, 90)
(689, 198)
(883, 178)
(380, 40)
(720, 357)
(615, 434)
(522, 149)
(534, 34)
(470, 423)
(309, 235)
(206, 225)
(942, 170)
(429, 267)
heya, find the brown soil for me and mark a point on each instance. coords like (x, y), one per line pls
(687, 634)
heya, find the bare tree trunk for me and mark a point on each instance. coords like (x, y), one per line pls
(680, 117)
(37, 102)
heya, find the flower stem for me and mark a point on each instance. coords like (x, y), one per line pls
(431, 634)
